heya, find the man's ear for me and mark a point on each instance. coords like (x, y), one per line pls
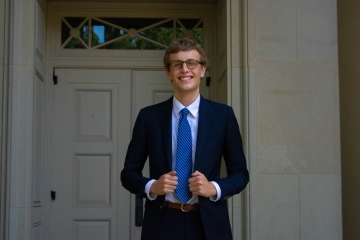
(168, 75)
(203, 70)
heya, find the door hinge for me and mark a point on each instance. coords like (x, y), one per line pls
(53, 195)
(208, 81)
(55, 79)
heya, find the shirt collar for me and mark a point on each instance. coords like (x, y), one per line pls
(193, 107)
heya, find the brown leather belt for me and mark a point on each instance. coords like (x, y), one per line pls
(181, 206)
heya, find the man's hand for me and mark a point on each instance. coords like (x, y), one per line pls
(165, 184)
(199, 185)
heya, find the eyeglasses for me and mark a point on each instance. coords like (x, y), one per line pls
(190, 63)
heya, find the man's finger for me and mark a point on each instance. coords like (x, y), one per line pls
(196, 173)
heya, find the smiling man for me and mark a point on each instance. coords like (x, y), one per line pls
(185, 139)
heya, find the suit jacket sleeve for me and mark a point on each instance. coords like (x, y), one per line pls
(233, 154)
(131, 175)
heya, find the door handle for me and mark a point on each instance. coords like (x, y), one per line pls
(139, 216)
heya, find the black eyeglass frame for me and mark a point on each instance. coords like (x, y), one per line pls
(186, 62)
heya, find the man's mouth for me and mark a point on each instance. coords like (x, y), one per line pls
(185, 78)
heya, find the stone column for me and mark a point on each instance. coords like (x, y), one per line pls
(20, 128)
(296, 185)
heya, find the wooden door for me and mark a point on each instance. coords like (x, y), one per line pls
(91, 133)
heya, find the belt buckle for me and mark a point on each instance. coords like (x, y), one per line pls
(182, 208)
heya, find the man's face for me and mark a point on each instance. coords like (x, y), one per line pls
(186, 80)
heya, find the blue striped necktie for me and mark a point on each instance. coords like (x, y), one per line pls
(184, 157)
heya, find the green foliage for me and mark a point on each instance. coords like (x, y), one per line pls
(160, 34)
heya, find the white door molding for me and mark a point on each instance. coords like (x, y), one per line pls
(20, 81)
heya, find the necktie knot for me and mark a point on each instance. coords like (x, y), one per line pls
(185, 112)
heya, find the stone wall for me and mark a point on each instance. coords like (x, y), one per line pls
(295, 181)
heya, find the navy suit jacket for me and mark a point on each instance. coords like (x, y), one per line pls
(218, 136)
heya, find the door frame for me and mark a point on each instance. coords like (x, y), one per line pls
(243, 102)
(65, 59)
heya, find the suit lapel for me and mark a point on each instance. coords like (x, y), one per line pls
(203, 129)
(165, 121)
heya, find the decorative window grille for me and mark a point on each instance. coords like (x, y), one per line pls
(127, 33)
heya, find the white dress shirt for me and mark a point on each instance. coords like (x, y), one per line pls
(193, 119)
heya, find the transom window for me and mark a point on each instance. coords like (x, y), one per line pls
(127, 33)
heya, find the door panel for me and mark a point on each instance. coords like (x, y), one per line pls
(91, 133)
(150, 87)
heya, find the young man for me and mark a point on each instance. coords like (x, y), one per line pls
(185, 139)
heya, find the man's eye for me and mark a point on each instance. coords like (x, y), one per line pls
(191, 63)
(177, 64)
